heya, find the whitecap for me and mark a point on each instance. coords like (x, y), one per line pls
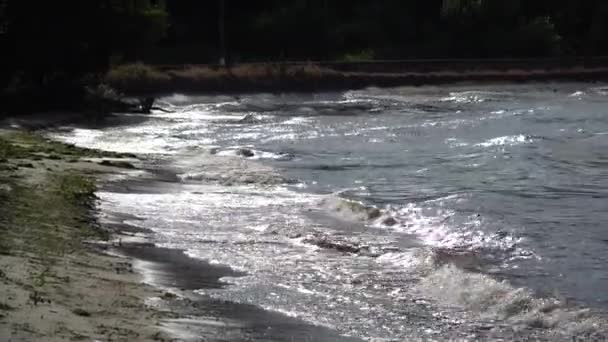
(578, 94)
(488, 298)
(509, 140)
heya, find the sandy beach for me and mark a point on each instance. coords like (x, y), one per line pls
(56, 283)
(66, 276)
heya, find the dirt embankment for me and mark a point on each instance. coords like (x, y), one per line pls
(55, 284)
(140, 79)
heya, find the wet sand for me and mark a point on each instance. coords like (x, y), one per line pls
(207, 319)
(198, 317)
(70, 276)
(55, 283)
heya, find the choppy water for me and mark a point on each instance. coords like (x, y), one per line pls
(462, 212)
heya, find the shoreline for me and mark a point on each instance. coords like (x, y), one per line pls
(195, 316)
(57, 284)
(147, 80)
(132, 88)
(72, 276)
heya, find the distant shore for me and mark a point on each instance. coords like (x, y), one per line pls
(140, 79)
(133, 87)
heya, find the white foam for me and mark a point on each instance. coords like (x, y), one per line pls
(488, 298)
(409, 260)
(429, 222)
(510, 140)
(578, 94)
(455, 142)
(297, 121)
(120, 140)
(470, 96)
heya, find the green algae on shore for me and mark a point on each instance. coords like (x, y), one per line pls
(49, 274)
(22, 145)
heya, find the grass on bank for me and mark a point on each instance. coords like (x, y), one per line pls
(139, 77)
(48, 218)
(46, 221)
(136, 76)
(52, 284)
(45, 214)
(27, 145)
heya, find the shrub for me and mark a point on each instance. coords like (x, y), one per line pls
(136, 76)
(200, 73)
(363, 55)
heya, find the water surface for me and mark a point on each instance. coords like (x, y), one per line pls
(456, 212)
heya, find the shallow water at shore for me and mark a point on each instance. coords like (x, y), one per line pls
(386, 214)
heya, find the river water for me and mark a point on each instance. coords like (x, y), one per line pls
(430, 213)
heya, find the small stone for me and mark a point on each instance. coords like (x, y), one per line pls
(389, 221)
(169, 295)
(373, 213)
(245, 152)
(81, 312)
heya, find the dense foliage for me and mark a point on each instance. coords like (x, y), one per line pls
(387, 29)
(44, 43)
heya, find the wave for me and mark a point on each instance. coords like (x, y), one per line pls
(488, 298)
(431, 225)
(600, 90)
(510, 140)
(297, 121)
(184, 100)
(233, 178)
(350, 209)
(210, 167)
(474, 96)
(472, 296)
(302, 108)
(578, 94)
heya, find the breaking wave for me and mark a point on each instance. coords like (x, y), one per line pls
(507, 141)
(488, 298)
(432, 226)
(474, 96)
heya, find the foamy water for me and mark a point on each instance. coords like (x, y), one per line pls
(468, 213)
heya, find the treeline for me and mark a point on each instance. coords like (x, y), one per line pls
(386, 29)
(52, 49)
(57, 42)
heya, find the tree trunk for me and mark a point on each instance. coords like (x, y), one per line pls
(222, 31)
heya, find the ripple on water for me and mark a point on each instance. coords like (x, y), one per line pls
(418, 267)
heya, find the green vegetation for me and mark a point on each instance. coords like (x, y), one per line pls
(28, 145)
(364, 55)
(140, 78)
(136, 76)
(390, 29)
(45, 215)
(48, 218)
(55, 49)
(47, 260)
(51, 211)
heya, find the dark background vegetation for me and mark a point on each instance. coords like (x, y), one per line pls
(49, 46)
